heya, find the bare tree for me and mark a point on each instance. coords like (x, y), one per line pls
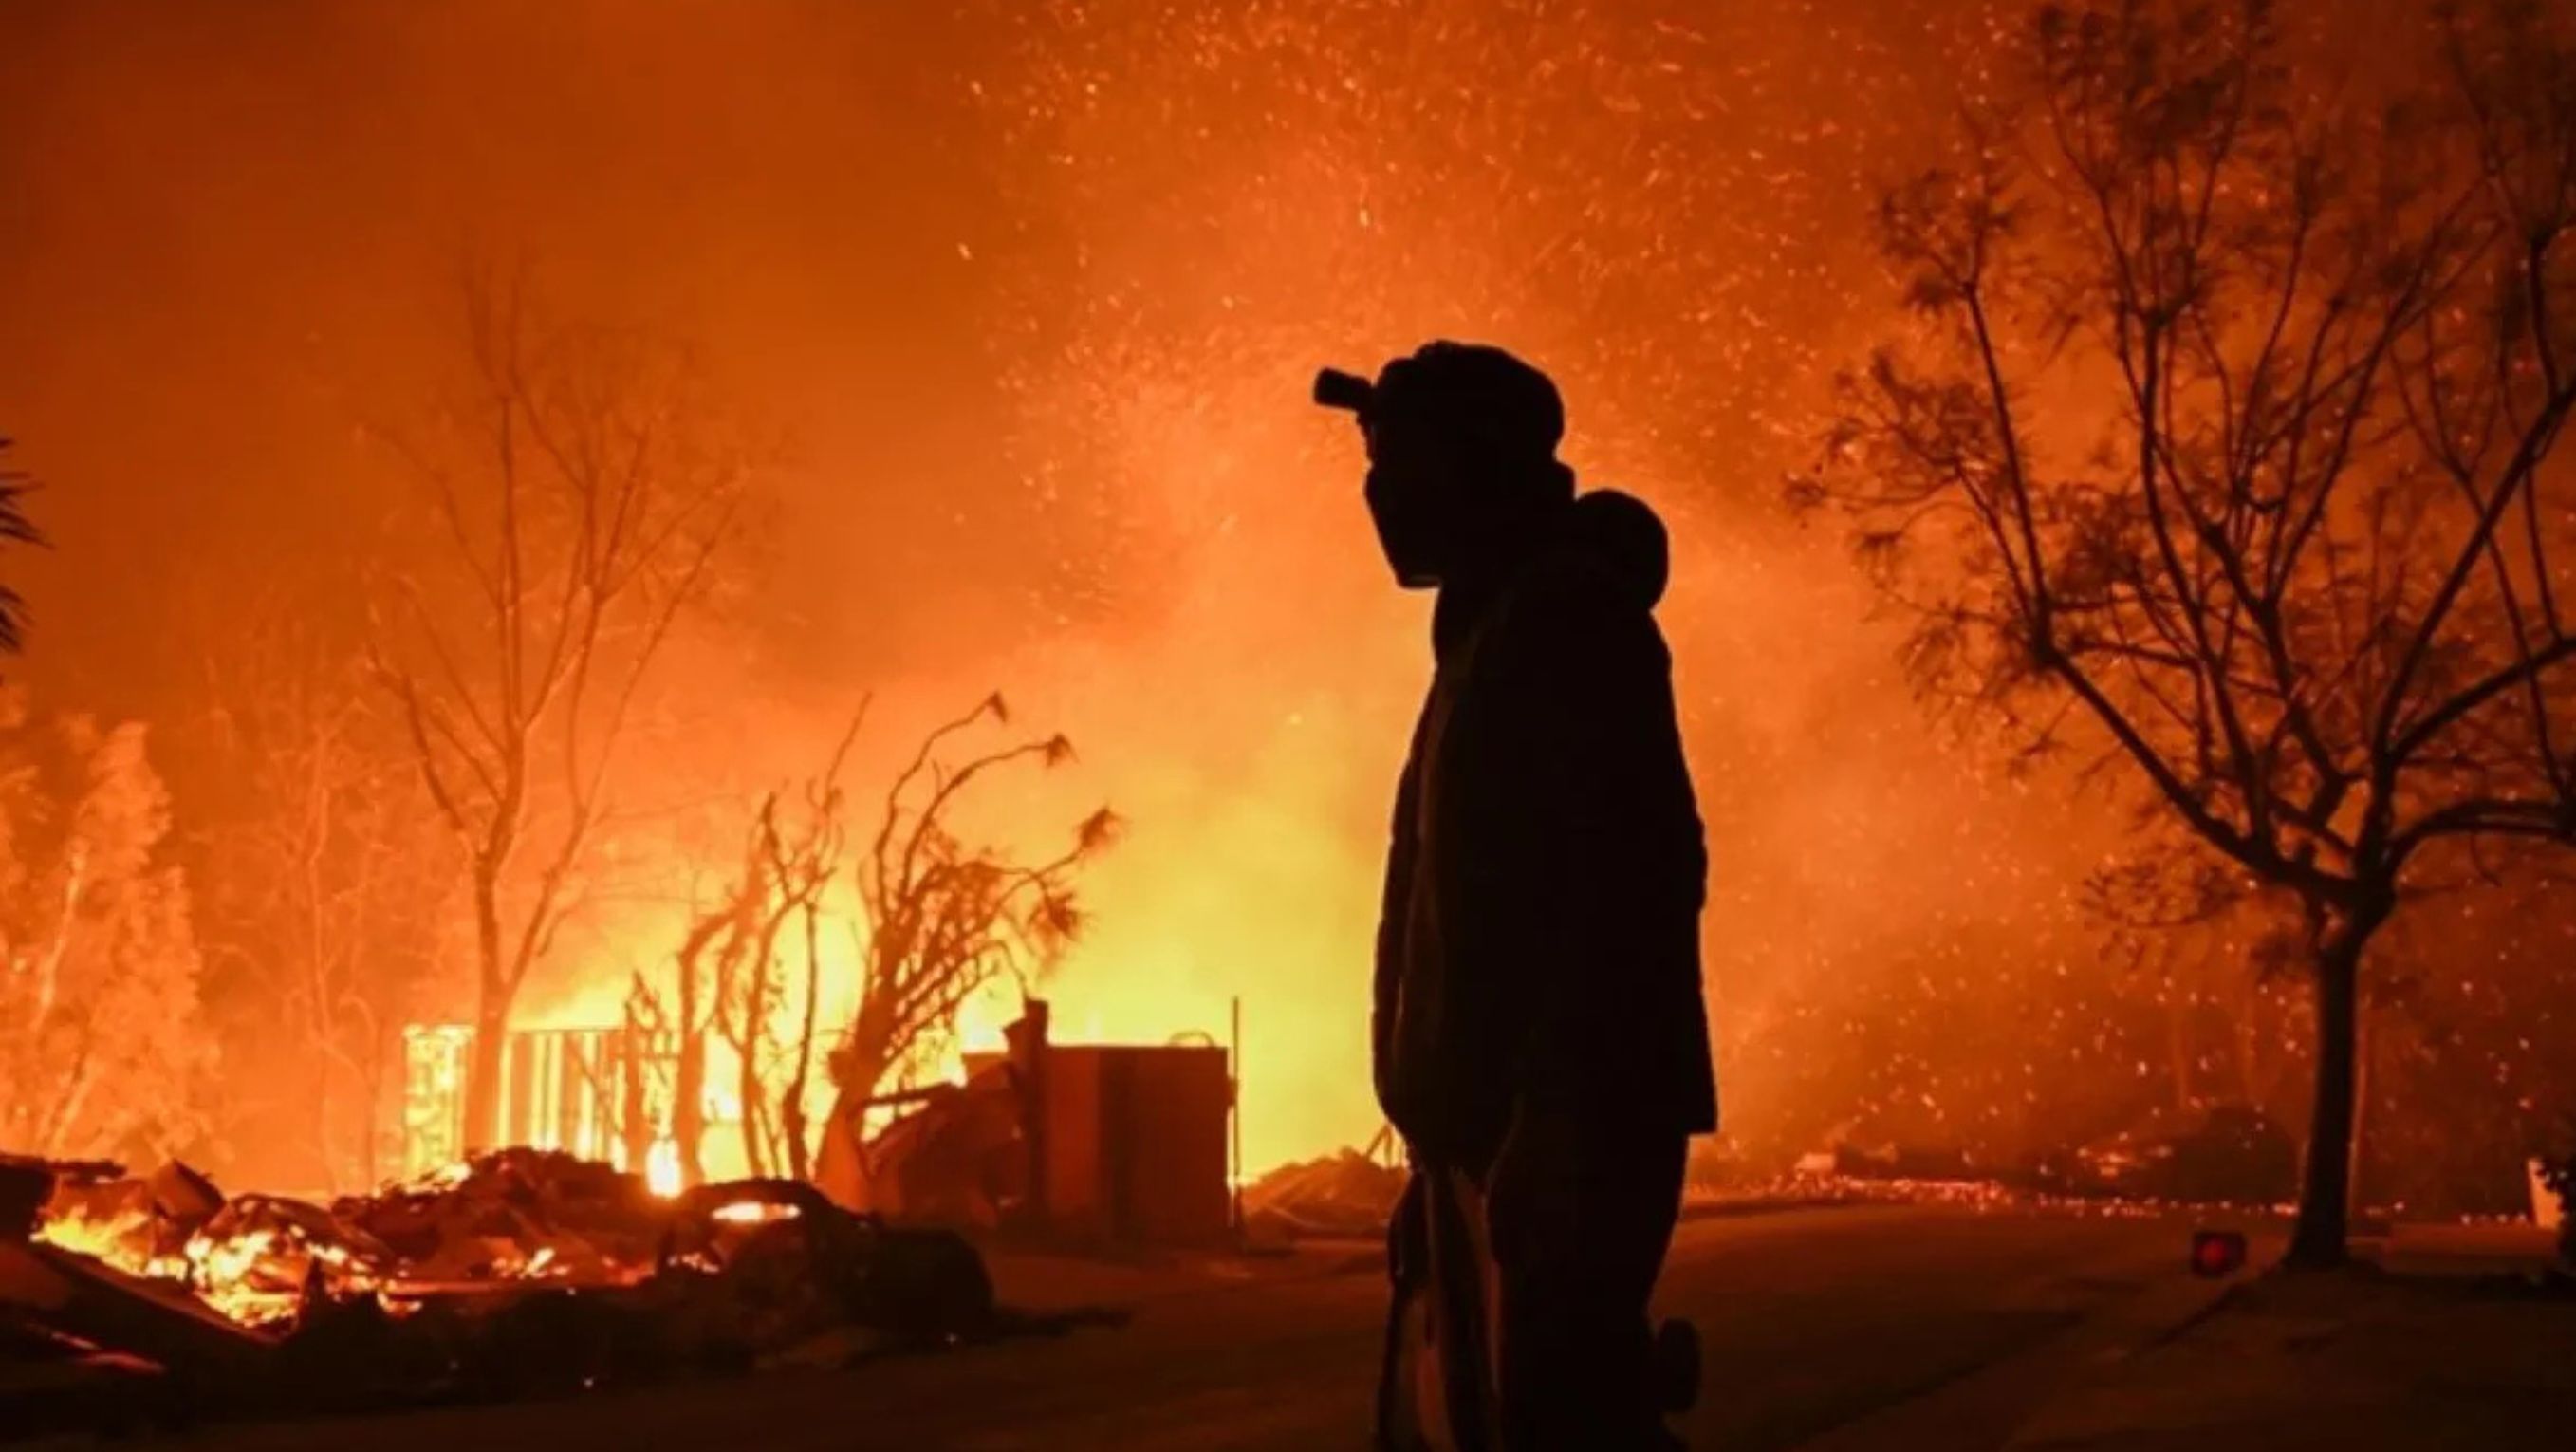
(577, 506)
(710, 955)
(945, 919)
(779, 879)
(795, 1132)
(799, 863)
(100, 1051)
(321, 883)
(731, 984)
(2223, 448)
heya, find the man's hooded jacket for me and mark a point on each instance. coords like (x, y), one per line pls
(1539, 947)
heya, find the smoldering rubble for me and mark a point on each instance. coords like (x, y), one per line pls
(152, 1298)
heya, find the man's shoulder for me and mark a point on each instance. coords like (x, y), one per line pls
(1606, 567)
(1572, 602)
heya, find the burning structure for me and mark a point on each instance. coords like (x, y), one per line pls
(1070, 1144)
(595, 1093)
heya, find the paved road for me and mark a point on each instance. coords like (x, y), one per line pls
(1814, 1320)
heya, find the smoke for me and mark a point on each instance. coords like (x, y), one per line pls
(1029, 294)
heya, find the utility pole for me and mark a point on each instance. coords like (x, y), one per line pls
(1234, 1109)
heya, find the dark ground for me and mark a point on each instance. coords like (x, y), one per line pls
(1814, 1319)
(2422, 1351)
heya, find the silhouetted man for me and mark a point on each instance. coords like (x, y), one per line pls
(1539, 1036)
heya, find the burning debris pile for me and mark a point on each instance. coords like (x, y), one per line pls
(523, 1214)
(516, 1216)
(518, 1272)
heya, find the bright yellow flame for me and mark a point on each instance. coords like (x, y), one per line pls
(114, 1241)
(662, 1168)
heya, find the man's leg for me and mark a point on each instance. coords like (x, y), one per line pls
(1578, 1365)
(1436, 1383)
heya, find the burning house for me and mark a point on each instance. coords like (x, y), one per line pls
(595, 1093)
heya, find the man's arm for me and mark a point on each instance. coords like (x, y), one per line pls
(1588, 855)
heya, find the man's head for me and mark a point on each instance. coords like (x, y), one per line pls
(1461, 444)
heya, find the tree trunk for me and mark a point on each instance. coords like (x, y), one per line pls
(791, 1101)
(793, 1132)
(689, 1075)
(747, 1087)
(755, 1125)
(2325, 1198)
(491, 1017)
(483, 1075)
(689, 1104)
